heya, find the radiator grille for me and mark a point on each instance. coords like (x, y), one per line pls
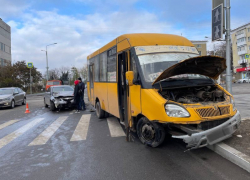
(211, 112)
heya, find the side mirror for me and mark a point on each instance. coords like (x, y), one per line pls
(15, 93)
(130, 77)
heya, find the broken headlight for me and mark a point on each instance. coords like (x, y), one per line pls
(173, 110)
(233, 103)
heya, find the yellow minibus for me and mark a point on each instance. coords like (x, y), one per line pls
(158, 84)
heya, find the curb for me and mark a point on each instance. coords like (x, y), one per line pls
(232, 155)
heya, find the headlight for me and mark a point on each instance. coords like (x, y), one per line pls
(6, 99)
(233, 103)
(176, 111)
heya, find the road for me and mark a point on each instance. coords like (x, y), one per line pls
(64, 145)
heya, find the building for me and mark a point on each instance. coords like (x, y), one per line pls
(5, 43)
(240, 38)
(201, 46)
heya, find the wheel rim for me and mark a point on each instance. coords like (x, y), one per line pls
(44, 102)
(148, 132)
(13, 104)
(24, 101)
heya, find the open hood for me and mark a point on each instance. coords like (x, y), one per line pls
(211, 66)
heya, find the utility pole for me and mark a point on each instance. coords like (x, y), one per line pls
(30, 83)
(47, 65)
(228, 49)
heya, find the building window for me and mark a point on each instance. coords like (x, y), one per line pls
(248, 29)
(248, 39)
(198, 46)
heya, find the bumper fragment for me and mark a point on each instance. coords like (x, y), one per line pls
(212, 136)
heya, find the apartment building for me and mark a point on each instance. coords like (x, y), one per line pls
(240, 38)
(5, 43)
(201, 46)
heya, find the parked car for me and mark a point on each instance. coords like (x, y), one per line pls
(57, 97)
(243, 80)
(9, 97)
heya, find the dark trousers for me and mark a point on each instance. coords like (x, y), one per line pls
(77, 102)
(82, 103)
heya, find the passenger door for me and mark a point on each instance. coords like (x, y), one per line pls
(16, 96)
(91, 83)
(47, 96)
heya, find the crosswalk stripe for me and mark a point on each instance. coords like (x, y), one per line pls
(10, 137)
(48, 132)
(82, 127)
(115, 127)
(7, 123)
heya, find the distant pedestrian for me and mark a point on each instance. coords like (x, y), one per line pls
(81, 93)
(77, 96)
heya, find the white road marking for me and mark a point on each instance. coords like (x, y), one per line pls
(82, 127)
(7, 139)
(48, 132)
(115, 127)
(7, 123)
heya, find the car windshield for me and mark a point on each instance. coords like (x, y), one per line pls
(154, 64)
(60, 89)
(6, 91)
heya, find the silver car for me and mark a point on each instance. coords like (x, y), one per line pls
(57, 97)
(9, 97)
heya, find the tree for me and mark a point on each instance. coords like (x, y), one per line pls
(83, 72)
(18, 75)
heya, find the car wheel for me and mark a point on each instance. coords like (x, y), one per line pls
(150, 133)
(244, 81)
(24, 101)
(12, 104)
(52, 106)
(45, 105)
(99, 112)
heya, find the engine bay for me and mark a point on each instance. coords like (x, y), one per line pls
(191, 95)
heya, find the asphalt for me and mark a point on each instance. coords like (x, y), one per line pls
(100, 156)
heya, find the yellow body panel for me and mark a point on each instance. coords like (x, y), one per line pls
(101, 92)
(113, 99)
(121, 46)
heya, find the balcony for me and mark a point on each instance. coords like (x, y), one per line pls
(242, 61)
(241, 36)
(242, 52)
(242, 43)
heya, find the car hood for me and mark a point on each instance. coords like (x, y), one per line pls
(64, 94)
(211, 66)
(5, 96)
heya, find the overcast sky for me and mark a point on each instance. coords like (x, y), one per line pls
(82, 26)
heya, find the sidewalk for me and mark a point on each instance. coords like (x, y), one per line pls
(237, 148)
(241, 138)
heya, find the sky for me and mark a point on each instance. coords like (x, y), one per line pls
(79, 27)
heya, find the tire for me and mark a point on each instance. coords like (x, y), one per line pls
(24, 101)
(99, 112)
(45, 105)
(244, 81)
(52, 106)
(12, 104)
(150, 133)
(106, 114)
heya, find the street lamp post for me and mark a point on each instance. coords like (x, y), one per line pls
(47, 60)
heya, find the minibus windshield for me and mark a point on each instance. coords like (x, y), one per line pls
(153, 65)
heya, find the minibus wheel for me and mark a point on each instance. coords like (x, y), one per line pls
(99, 112)
(150, 133)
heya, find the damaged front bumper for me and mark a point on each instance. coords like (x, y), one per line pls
(59, 102)
(212, 136)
